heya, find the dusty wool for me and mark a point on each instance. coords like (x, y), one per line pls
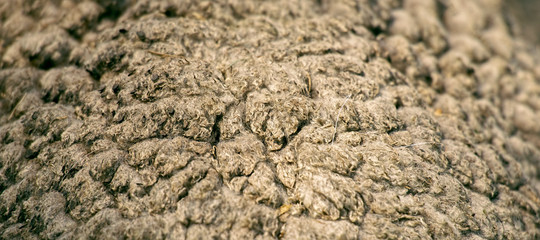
(295, 119)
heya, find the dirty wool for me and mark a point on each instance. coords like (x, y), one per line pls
(293, 119)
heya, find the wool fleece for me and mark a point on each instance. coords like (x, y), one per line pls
(286, 119)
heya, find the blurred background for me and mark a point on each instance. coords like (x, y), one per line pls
(526, 13)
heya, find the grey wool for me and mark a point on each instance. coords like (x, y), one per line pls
(287, 119)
